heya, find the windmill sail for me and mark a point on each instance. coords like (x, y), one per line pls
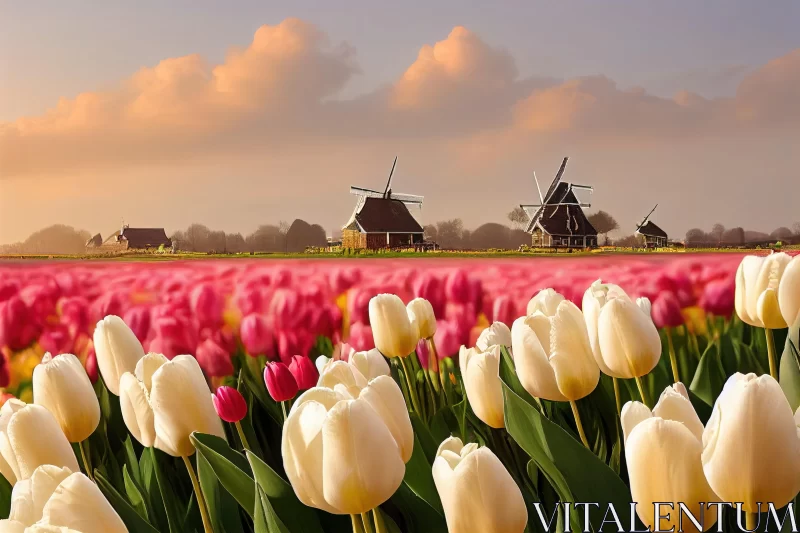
(646, 218)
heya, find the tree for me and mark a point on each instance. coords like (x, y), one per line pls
(696, 236)
(450, 233)
(267, 238)
(217, 242)
(603, 223)
(430, 233)
(630, 241)
(734, 236)
(783, 233)
(196, 238)
(518, 217)
(717, 231)
(301, 235)
(235, 243)
(55, 239)
(796, 228)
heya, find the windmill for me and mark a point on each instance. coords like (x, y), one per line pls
(387, 194)
(557, 195)
(654, 237)
(640, 226)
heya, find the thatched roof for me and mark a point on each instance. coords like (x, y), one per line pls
(381, 215)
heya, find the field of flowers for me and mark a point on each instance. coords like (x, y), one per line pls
(415, 395)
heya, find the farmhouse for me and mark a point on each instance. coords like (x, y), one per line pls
(130, 239)
(558, 221)
(652, 235)
(382, 219)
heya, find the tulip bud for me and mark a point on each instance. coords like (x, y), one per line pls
(645, 305)
(30, 437)
(718, 297)
(745, 464)
(321, 363)
(546, 302)
(304, 372)
(230, 404)
(420, 311)
(371, 364)
(256, 337)
(757, 283)
(498, 505)
(497, 334)
(213, 359)
(30, 496)
(280, 382)
(12, 526)
(503, 309)
(394, 334)
(480, 372)
(666, 311)
(117, 350)
(77, 504)
(789, 292)
(61, 385)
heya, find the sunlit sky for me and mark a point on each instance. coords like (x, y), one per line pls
(146, 110)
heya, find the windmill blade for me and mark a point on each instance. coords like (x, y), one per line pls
(408, 198)
(556, 180)
(530, 210)
(584, 187)
(541, 198)
(647, 217)
(368, 193)
(388, 190)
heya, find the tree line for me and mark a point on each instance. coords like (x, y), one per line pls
(283, 237)
(738, 236)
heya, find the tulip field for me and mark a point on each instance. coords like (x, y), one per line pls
(461, 395)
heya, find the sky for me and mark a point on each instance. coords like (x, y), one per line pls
(245, 113)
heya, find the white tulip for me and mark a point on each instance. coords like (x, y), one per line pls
(78, 504)
(62, 386)
(420, 312)
(9, 408)
(553, 356)
(629, 344)
(12, 526)
(480, 372)
(645, 305)
(394, 334)
(673, 404)
(346, 454)
(546, 302)
(789, 292)
(497, 334)
(164, 402)
(371, 364)
(322, 363)
(594, 300)
(32, 437)
(117, 350)
(757, 284)
(30, 496)
(477, 492)
(751, 450)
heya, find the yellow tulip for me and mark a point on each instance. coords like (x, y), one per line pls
(420, 312)
(553, 355)
(480, 372)
(757, 284)
(751, 450)
(477, 492)
(61, 385)
(117, 350)
(30, 437)
(394, 334)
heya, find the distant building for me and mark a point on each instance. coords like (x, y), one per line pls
(652, 235)
(130, 239)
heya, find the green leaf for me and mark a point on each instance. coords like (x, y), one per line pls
(419, 478)
(296, 516)
(575, 473)
(167, 491)
(131, 462)
(5, 496)
(709, 377)
(425, 439)
(230, 467)
(133, 521)
(266, 521)
(418, 515)
(134, 493)
(222, 507)
(789, 376)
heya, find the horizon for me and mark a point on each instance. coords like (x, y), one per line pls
(274, 112)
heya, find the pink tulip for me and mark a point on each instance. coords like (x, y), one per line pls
(91, 365)
(448, 338)
(295, 341)
(458, 288)
(207, 305)
(138, 319)
(213, 359)
(361, 337)
(17, 327)
(229, 404)
(256, 335)
(5, 377)
(503, 310)
(280, 382)
(75, 313)
(666, 311)
(718, 297)
(109, 303)
(358, 304)
(286, 308)
(304, 371)
(8, 289)
(431, 288)
(423, 353)
(56, 339)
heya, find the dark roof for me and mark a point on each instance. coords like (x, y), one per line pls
(565, 219)
(651, 230)
(380, 215)
(145, 237)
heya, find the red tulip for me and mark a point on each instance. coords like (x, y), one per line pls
(361, 337)
(448, 338)
(304, 372)
(666, 311)
(213, 359)
(718, 297)
(503, 310)
(458, 288)
(358, 304)
(230, 404)
(207, 305)
(17, 328)
(294, 341)
(56, 339)
(280, 382)
(91, 365)
(75, 313)
(256, 335)
(431, 288)
(286, 308)
(5, 378)
(138, 319)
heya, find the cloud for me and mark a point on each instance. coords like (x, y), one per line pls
(281, 93)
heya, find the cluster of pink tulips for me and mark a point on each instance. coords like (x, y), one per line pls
(279, 309)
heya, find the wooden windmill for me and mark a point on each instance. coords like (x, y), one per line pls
(654, 237)
(558, 219)
(382, 219)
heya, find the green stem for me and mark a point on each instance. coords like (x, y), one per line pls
(579, 424)
(672, 359)
(412, 390)
(241, 436)
(355, 521)
(640, 386)
(201, 501)
(367, 522)
(380, 527)
(773, 368)
(617, 397)
(283, 408)
(428, 385)
(83, 445)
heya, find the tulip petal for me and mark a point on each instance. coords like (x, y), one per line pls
(530, 359)
(137, 413)
(628, 339)
(8, 460)
(182, 404)
(36, 439)
(497, 334)
(342, 373)
(483, 386)
(664, 465)
(362, 466)
(789, 292)
(674, 404)
(147, 366)
(78, 504)
(30, 496)
(12, 526)
(633, 414)
(394, 334)
(769, 312)
(371, 364)
(117, 349)
(576, 371)
(386, 398)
